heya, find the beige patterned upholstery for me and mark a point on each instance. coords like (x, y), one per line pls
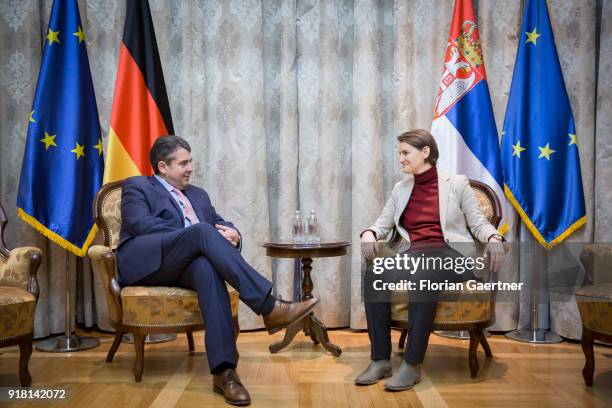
(163, 306)
(485, 203)
(18, 292)
(18, 297)
(111, 216)
(595, 305)
(17, 308)
(461, 307)
(15, 270)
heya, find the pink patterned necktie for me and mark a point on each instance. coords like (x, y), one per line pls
(187, 208)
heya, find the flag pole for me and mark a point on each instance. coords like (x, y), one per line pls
(534, 334)
(70, 341)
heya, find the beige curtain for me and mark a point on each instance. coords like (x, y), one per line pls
(296, 104)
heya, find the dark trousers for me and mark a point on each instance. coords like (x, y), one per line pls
(422, 305)
(200, 258)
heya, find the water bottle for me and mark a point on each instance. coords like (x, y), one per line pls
(312, 229)
(298, 228)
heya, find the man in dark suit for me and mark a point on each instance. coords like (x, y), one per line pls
(172, 235)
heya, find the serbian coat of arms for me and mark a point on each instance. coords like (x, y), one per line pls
(463, 66)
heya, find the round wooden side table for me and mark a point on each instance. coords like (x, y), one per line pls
(311, 326)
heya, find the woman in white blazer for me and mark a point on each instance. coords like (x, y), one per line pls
(433, 212)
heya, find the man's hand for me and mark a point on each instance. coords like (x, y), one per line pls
(228, 233)
(368, 242)
(495, 254)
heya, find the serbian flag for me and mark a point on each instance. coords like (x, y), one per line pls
(463, 124)
(141, 111)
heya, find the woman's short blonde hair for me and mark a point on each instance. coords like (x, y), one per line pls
(420, 138)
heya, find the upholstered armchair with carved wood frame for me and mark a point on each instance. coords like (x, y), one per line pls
(469, 310)
(18, 297)
(595, 304)
(141, 310)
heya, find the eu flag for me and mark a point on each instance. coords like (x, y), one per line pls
(62, 164)
(539, 147)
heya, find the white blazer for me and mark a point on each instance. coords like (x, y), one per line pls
(459, 210)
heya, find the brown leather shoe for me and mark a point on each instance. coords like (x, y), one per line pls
(284, 313)
(228, 384)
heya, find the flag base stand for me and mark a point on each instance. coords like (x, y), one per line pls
(534, 335)
(150, 338)
(458, 334)
(67, 344)
(539, 336)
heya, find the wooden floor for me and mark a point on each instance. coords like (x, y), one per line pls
(303, 376)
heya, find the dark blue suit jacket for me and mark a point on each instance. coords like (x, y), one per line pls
(148, 212)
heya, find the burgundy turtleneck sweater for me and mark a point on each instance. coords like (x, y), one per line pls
(421, 218)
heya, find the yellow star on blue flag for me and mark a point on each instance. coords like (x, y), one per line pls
(517, 149)
(532, 37)
(79, 150)
(80, 34)
(546, 151)
(48, 140)
(53, 36)
(99, 147)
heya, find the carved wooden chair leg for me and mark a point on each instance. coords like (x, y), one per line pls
(402, 339)
(190, 341)
(475, 336)
(25, 351)
(485, 346)
(139, 362)
(587, 349)
(114, 346)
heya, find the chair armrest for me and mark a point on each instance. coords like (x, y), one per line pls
(393, 245)
(594, 257)
(103, 263)
(21, 268)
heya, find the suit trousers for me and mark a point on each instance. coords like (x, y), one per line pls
(422, 305)
(200, 258)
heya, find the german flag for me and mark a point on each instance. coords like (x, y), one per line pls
(141, 111)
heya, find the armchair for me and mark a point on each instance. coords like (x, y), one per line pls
(595, 306)
(18, 296)
(141, 310)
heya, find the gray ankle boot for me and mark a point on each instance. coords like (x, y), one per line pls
(405, 378)
(375, 371)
